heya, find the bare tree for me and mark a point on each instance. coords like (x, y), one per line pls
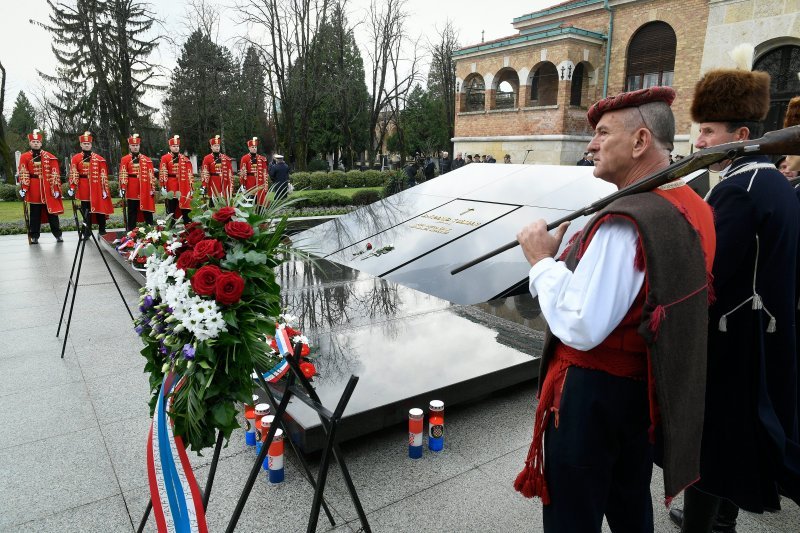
(442, 75)
(292, 52)
(393, 74)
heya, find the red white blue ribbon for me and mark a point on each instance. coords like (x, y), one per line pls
(177, 504)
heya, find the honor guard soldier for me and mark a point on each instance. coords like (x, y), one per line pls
(88, 182)
(253, 172)
(175, 175)
(137, 184)
(40, 186)
(216, 174)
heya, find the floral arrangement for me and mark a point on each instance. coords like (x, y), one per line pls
(286, 322)
(208, 306)
(142, 242)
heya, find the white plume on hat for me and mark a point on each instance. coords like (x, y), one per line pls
(743, 55)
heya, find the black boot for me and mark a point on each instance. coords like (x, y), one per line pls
(699, 511)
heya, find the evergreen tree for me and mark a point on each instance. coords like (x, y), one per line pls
(200, 92)
(248, 111)
(23, 117)
(102, 48)
(425, 129)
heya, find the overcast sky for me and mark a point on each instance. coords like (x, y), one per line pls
(24, 48)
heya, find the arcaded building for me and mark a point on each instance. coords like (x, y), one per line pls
(527, 94)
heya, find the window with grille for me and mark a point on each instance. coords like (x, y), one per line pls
(507, 84)
(576, 87)
(782, 64)
(651, 57)
(474, 94)
(544, 85)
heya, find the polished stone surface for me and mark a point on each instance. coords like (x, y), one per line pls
(445, 222)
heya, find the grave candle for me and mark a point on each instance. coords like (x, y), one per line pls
(261, 410)
(276, 458)
(266, 423)
(415, 433)
(436, 425)
(250, 422)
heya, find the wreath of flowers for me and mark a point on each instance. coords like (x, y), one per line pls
(208, 309)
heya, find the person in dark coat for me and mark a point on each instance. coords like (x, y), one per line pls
(411, 173)
(750, 438)
(458, 162)
(430, 169)
(586, 160)
(445, 164)
(279, 175)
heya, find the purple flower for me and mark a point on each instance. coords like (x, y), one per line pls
(147, 303)
(188, 352)
(163, 348)
(139, 329)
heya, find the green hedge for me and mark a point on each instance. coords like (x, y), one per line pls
(8, 192)
(365, 197)
(320, 199)
(338, 179)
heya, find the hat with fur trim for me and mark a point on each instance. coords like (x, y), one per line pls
(792, 117)
(630, 99)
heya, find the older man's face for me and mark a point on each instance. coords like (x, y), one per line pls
(134, 148)
(612, 146)
(86, 147)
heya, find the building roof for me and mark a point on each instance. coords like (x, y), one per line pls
(536, 35)
(558, 8)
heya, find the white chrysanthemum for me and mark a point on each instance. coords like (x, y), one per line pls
(299, 338)
(174, 246)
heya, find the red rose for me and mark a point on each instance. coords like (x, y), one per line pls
(188, 260)
(229, 288)
(209, 248)
(239, 230)
(292, 332)
(308, 370)
(204, 281)
(194, 236)
(192, 225)
(224, 214)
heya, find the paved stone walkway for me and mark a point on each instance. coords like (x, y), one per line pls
(72, 445)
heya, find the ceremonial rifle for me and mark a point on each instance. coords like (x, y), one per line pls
(779, 142)
(27, 219)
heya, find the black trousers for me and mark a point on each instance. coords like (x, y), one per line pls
(133, 215)
(281, 189)
(704, 513)
(599, 460)
(35, 214)
(172, 206)
(86, 213)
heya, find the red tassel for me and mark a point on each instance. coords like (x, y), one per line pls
(658, 314)
(712, 297)
(638, 261)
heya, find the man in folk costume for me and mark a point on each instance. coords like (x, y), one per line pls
(88, 182)
(40, 187)
(216, 174)
(750, 436)
(175, 175)
(137, 184)
(253, 169)
(623, 364)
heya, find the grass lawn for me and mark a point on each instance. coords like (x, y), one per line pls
(12, 211)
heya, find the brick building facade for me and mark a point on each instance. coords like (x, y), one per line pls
(527, 94)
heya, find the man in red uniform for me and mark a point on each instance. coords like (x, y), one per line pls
(40, 185)
(88, 181)
(216, 174)
(175, 175)
(253, 171)
(137, 184)
(624, 359)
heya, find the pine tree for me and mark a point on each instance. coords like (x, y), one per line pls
(200, 92)
(102, 48)
(23, 117)
(249, 107)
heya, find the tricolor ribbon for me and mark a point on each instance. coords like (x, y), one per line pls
(177, 504)
(284, 346)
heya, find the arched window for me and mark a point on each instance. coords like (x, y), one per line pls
(474, 94)
(782, 64)
(651, 57)
(544, 85)
(576, 86)
(507, 89)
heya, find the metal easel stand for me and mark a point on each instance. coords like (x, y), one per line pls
(330, 420)
(74, 278)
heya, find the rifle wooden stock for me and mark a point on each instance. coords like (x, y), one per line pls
(779, 142)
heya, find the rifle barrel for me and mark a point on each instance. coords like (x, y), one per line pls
(783, 142)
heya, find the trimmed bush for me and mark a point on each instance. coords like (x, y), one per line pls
(375, 178)
(300, 180)
(355, 179)
(397, 182)
(319, 180)
(316, 165)
(337, 179)
(321, 199)
(365, 197)
(8, 192)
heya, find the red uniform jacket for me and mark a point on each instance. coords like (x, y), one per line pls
(217, 176)
(255, 175)
(40, 179)
(176, 176)
(90, 179)
(138, 181)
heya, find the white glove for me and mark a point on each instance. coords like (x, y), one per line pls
(21, 193)
(163, 190)
(203, 191)
(152, 192)
(122, 193)
(241, 188)
(104, 195)
(71, 192)
(56, 194)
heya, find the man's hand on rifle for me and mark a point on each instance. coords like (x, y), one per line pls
(56, 194)
(105, 195)
(164, 191)
(22, 193)
(203, 191)
(537, 244)
(71, 192)
(122, 193)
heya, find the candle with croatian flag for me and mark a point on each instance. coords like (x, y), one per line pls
(250, 422)
(436, 425)
(261, 410)
(275, 456)
(266, 423)
(415, 433)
